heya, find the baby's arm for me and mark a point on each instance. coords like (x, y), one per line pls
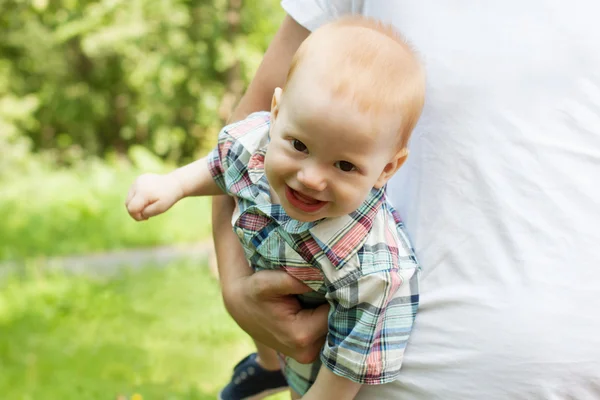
(153, 194)
(331, 386)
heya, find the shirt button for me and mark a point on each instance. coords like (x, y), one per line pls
(240, 232)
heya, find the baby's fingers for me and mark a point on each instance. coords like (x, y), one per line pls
(130, 195)
(156, 208)
(135, 207)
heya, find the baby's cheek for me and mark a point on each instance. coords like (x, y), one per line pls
(279, 162)
(274, 167)
(353, 195)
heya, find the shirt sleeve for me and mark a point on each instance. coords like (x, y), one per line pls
(311, 14)
(220, 159)
(230, 161)
(370, 321)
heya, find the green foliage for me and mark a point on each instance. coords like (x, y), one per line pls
(93, 77)
(81, 209)
(94, 91)
(160, 332)
(91, 93)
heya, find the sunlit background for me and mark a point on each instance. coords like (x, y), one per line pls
(92, 93)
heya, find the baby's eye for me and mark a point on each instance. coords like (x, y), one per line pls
(298, 145)
(345, 166)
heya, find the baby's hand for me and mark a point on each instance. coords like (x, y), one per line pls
(152, 194)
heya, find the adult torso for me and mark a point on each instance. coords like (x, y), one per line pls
(501, 199)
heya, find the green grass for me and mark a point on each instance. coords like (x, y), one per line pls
(80, 210)
(159, 332)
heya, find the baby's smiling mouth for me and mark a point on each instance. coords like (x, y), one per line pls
(303, 202)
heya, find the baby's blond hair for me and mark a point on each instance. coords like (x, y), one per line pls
(368, 63)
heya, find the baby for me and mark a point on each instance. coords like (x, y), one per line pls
(309, 182)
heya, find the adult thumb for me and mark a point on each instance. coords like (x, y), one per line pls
(279, 283)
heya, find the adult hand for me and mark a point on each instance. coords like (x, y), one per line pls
(265, 306)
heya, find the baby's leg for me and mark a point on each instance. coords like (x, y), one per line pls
(267, 357)
(295, 396)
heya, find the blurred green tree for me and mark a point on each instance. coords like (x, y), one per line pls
(98, 77)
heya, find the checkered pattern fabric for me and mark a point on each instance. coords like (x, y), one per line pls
(362, 264)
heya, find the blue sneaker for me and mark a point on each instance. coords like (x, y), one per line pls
(250, 381)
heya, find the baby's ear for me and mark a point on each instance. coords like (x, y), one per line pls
(275, 102)
(390, 168)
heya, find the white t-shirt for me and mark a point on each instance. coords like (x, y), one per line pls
(500, 195)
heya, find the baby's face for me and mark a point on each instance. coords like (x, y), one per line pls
(324, 158)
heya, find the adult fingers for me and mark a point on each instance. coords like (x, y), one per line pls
(315, 320)
(308, 335)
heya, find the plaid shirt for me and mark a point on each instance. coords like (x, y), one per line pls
(361, 263)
